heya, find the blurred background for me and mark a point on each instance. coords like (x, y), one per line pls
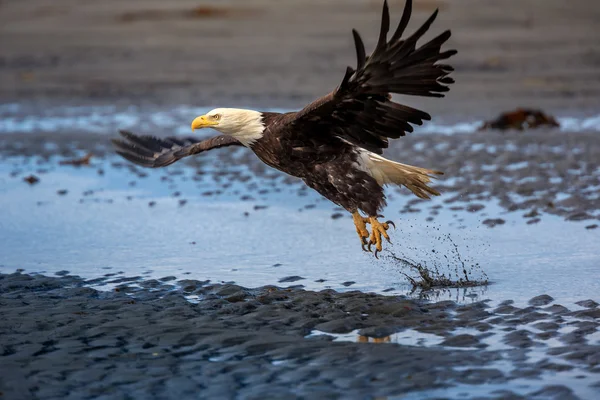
(542, 53)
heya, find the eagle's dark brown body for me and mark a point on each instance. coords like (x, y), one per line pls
(324, 162)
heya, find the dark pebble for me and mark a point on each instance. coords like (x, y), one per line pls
(541, 300)
(546, 326)
(492, 222)
(293, 278)
(580, 216)
(343, 325)
(475, 207)
(553, 392)
(506, 309)
(556, 309)
(587, 303)
(589, 313)
(461, 341)
(519, 339)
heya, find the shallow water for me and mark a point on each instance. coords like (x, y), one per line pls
(114, 230)
(22, 118)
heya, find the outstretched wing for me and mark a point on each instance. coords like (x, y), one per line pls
(153, 152)
(360, 110)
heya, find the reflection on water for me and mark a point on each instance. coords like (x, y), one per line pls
(574, 374)
(459, 295)
(366, 339)
(407, 337)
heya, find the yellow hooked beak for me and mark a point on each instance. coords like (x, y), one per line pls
(203, 121)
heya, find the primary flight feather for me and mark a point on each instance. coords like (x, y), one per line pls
(334, 144)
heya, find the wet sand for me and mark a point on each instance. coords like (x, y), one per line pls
(148, 341)
(115, 335)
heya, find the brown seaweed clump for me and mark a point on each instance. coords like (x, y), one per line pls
(31, 179)
(521, 119)
(77, 162)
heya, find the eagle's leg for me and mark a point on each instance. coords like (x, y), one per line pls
(379, 229)
(361, 228)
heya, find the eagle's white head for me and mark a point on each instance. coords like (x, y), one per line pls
(245, 125)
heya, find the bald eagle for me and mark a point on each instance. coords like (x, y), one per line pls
(335, 143)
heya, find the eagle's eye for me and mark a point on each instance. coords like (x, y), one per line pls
(217, 117)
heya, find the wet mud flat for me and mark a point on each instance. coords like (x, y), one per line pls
(532, 173)
(145, 339)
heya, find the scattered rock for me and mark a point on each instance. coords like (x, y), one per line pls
(289, 279)
(519, 339)
(475, 207)
(31, 179)
(461, 341)
(541, 300)
(587, 303)
(579, 216)
(492, 222)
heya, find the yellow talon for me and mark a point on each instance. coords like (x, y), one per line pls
(378, 230)
(361, 228)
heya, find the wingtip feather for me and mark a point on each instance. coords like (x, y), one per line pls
(385, 25)
(360, 49)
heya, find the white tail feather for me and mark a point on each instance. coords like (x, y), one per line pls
(386, 172)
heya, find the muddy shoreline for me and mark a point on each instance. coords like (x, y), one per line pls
(250, 343)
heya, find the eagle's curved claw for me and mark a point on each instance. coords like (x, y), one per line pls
(390, 222)
(363, 247)
(375, 254)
